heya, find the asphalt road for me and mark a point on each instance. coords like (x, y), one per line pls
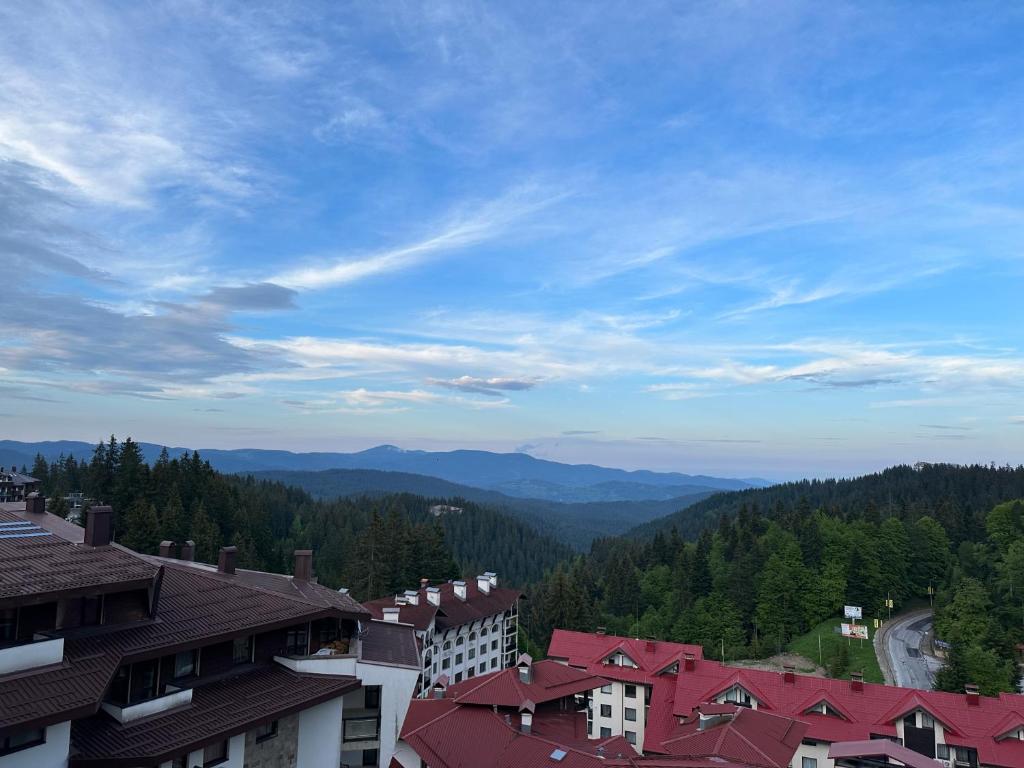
(906, 651)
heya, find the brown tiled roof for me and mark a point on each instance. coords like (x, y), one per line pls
(197, 606)
(503, 688)
(35, 562)
(385, 642)
(452, 612)
(218, 711)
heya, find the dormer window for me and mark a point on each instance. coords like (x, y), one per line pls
(738, 695)
(824, 708)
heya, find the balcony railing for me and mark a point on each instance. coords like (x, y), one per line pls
(38, 652)
(173, 698)
(362, 728)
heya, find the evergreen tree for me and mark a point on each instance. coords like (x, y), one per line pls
(140, 529)
(205, 535)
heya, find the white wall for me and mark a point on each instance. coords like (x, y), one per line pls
(618, 701)
(320, 735)
(236, 754)
(18, 658)
(52, 754)
(406, 756)
(397, 685)
(819, 752)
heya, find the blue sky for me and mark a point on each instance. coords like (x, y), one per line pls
(776, 239)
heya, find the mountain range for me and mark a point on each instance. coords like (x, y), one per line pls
(512, 474)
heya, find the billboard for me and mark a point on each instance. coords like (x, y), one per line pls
(855, 631)
(852, 612)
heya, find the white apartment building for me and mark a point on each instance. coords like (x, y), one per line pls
(463, 629)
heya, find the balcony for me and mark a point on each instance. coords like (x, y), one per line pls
(361, 728)
(40, 652)
(173, 698)
(326, 661)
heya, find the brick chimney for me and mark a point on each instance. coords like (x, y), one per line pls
(303, 564)
(972, 694)
(226, 560)
(483, 584)
(788, 674)
(391, 614)
(856, 681)
(434, 596)
(98, 526)
(650, 645)
(188, 551)
(166, 548)
(35, 503)
(689, 662)
(460, 589)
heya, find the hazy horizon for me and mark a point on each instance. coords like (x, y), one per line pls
(778, 240)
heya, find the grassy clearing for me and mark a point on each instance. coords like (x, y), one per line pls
(861, 652)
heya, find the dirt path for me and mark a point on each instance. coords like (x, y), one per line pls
(778, 662)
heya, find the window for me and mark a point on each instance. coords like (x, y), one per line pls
(494, 663)
(372, 697)
(606, 732)
(458, 677)
(631, 737)
(483, 632)
(460, 640)
(606, 688)
(630, 691)
(24, 739)
(266, 731)
(494, 645)
(8, 624)
(362, 728)
(446, 662)
(370, 757)
(241, 649)
(471, 672)
(296, 642)
(630, 714)
(809, 762)
(143, 681)
(215, 754)
(483, 649)
(606, 710)
(184, 664)
(927, 721)
(472, 653)
(483, 667)
(942, 751)
(458, 658)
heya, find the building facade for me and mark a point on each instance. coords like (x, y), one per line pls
(464, 629)
(15, 486)
(111, 658)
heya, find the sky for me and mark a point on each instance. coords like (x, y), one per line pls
(778, 239)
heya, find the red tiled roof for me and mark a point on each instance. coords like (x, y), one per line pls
(503, 688)
(871, 711)
(880, 748)
(453, 611)
(589, 651)
(750, 737)
(218, 711)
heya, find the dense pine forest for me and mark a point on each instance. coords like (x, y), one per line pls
(751, 570)
(373, 545)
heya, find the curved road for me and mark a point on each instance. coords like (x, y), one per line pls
(903, 651)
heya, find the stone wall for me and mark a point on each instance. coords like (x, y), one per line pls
(277, 752)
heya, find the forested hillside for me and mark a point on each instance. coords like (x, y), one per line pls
(768, 564)
(575, 524)
(374, 545)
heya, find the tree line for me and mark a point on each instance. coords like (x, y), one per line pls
(753, 576)
(374, 545)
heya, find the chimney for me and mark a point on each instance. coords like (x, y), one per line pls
(391, 614)
(973, 696)
(483, 584)
(788, 674)
(303, 564)
(440, 686)
(166, 548)
(188, 551)
(525, 667)
(460, 589)
(600, 630)
(434, 595)
(97, 527)
(35, 503)
(650, 646)
(412, 597)
(526, 722)
(492, 577)
(857, 681)
(689, 662)
(226, 560)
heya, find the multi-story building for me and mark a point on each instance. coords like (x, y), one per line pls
(464, 630)
(14, 486)
(959, 730)
(111, 658)
(622, 706)
(534, 716)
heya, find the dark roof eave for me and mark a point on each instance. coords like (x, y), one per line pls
(36, 598)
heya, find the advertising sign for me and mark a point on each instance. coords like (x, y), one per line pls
(856, 631)
(852, 611)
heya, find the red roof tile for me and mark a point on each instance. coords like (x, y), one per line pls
(452, 611)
